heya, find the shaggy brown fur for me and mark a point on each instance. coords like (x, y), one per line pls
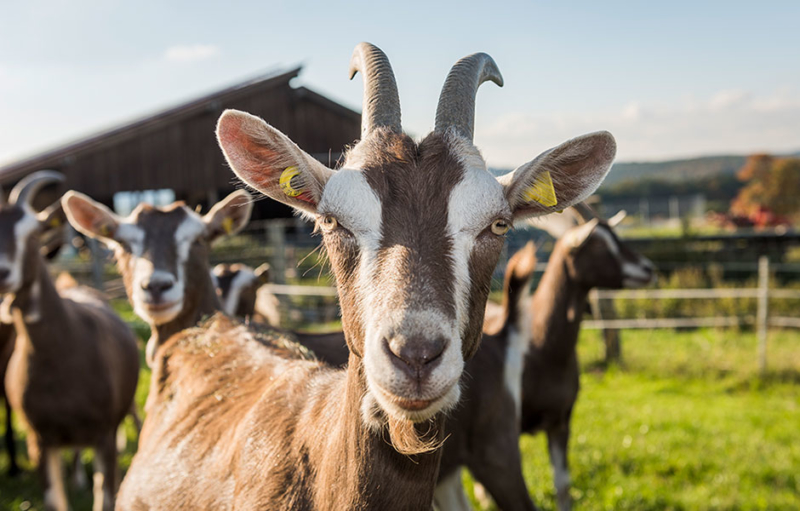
(241, 404)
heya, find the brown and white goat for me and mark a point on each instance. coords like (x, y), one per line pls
(51, 241)
(413, 232)
(162, 254)
(75, 365)
(544, 329)
(242, 293)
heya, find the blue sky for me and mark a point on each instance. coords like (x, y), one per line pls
(669, 79)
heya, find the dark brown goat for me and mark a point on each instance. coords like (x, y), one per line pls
(75, 365)
(545, 328)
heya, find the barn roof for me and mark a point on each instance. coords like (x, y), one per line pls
(179, 139)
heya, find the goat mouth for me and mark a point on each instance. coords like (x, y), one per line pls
(159, 307)
(414, 405)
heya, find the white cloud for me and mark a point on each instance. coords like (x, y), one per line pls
(728, 122)
(191, 52)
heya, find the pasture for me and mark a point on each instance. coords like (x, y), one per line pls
(684, 423)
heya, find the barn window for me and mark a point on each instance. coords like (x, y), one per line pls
(124, 202)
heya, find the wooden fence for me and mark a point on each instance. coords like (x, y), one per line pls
(762, 319)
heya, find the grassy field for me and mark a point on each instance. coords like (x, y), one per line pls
(684, 423)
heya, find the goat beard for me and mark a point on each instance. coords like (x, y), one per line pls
(409, 438)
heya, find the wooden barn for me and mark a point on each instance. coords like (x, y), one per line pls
(176, 149)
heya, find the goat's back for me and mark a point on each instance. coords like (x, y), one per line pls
(221, 410)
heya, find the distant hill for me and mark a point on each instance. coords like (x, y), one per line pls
(671, 171)
(675, 170)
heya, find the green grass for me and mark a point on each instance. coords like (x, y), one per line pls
(685, 423)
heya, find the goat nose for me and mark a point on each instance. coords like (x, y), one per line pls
(157, 287)
(416, 356)
(4, 273)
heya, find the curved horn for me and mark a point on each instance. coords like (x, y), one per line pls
(457, 101)
(381, 101)
(585, 213)
(30, 185)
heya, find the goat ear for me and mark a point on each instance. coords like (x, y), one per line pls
(262, 274)
(228, 216)
(267, 160)
(617, 219)
(89, 217)
(560, 177)
(578, 236)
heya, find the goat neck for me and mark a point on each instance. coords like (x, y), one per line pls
(556, 309)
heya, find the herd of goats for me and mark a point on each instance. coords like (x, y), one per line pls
(423, 380)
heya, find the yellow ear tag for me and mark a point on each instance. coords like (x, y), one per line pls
(227, 225)
(290, 182)
(105, 230)
(542, 191)
(55, 222)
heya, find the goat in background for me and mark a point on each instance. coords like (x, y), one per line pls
(545, 327)
(242, 292)
(75, 365)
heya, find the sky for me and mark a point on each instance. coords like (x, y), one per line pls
(668, 79)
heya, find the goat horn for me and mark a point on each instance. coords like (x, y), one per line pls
(381, 101)
(457, 101)
(584, 211)
(2, 197)
(29, 186)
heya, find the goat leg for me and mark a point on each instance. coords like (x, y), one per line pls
(105, 473)
(50, 472)
(11, 446)
(499, 470)
(557, 443)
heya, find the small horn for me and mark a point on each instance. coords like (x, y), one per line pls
(584, 211)
(381, 101)
(2, 196)
(457, 101)
(29, 186)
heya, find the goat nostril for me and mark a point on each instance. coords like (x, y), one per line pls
(156, 287)
(4, 273)
(416, 354)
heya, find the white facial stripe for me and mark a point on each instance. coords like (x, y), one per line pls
(611, 243)
(133, 236)
(24, 227)
(349, 197)
(634, 274)
(244, 277)
(186, 234)
(474, 203)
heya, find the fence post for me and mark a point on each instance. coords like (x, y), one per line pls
(97, 263)
(762, 317)
(277, 242)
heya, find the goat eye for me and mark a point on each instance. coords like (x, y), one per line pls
(500, 227)
(328, 223)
